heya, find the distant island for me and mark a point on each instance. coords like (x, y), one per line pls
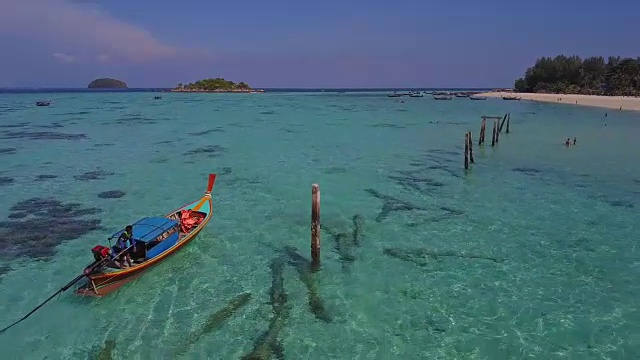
(107, 83)
(591, 76)
(217, 85)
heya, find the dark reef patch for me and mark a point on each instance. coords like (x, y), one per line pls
(134, 119)
(43, 177)
(6, 180)
(389, 126)
(268, 345)
(436, 159)
(93, 175)
(111, 194)
(424, 257)
(74, 113)
(205, 132)
(48, 223)
(345, 243)
(307, 276)
(210, 150)
(15, 126)
(42, 135)
(391, 204)
(8, 151)
(409, 181)
(527, 171)
(290, 131)
(18, 215)
(4, 269)
(336, 170)
(54, 125)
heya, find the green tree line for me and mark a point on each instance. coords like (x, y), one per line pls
(215, 84)
(573, 75)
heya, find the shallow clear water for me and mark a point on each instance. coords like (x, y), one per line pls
(529, 254)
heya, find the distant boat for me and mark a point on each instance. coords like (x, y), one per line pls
(43, 103)
(394, 95)
(462, 95)
(157, 97)
(416, 95)
(478, 97)
(510, 98)
(442, 97)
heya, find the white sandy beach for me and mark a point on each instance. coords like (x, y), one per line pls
(609, 102)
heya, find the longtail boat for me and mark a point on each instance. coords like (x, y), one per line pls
(155, 238)
(442, 97)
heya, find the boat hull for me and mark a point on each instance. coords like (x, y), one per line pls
(101, 284)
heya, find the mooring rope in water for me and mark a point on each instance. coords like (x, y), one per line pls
(86, 272)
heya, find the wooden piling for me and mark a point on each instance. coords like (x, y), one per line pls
(471, 148)
(482, 131)
(508, 121)
(315, 226)
(502, 123)
(498, 132)
(466, 151)
(493, 137)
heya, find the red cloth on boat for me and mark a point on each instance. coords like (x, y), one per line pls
(188, 220)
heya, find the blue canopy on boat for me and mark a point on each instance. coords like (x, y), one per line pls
(149, 228)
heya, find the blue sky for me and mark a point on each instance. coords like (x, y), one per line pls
(328, 43)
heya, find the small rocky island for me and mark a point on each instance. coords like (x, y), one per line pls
(107, 83)
(217, 85)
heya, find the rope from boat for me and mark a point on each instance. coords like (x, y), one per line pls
(86, 272)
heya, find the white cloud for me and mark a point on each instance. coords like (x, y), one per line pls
(84, 28)
(64, 58)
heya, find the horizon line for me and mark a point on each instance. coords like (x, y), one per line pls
(255, 88)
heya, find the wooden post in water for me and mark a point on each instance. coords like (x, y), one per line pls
(466, 151)
(482, 131)
(497, 131)
(315, 226)
(493, 137)
(502, 123)
(471, 148)
(508, 121)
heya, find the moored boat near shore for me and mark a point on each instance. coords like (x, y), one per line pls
(155, 238)
(442, 97)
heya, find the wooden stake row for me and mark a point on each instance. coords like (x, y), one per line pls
(495, 135)
(468, 150)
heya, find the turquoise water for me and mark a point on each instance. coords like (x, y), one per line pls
(530, 254)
